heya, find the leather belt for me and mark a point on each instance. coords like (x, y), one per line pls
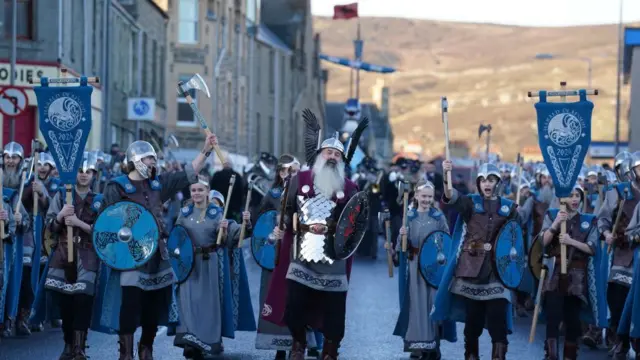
(206, 250)
(318, 229)
(477, 246)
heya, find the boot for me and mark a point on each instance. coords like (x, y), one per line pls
(499, 351)
(551, 349)
(22, 325)
(635, 345)
(67, 352)
(611, 338)
(621, 350)
(79, 345)
(471, 349)
(126, 346)
(593, 337)
(145, 352)
(281, 355)
(7, 328)
(330, 350)
(570, 351)
(297, 351)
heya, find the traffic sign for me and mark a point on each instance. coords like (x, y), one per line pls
(13, 101)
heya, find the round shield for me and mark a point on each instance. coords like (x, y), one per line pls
(433, 257)
(509, 255)
(180, 248)
(263, 251)
(535, 257)
(125, 235)
(352, 225)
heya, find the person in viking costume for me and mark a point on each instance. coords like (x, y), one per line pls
(271, 336)
(421, 335)
(73, 284)
(568, 298)
(317, 277)
(505, 180)
(10, 226)
(619, 203)
(471, 290)
(142, 297)
(20, 294)
(204, 307)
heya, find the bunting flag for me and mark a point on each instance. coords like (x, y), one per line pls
(345, 12)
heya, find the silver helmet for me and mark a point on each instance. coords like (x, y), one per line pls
(46, 158)
(13, 148)
(215, 194)
(137, 151)
(90, 161)
(99, 155)
(541, 169)
(485, 171)
(580, 190)
(333, 143)
(621, 165)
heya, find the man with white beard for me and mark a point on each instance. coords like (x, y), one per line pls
(317, 278)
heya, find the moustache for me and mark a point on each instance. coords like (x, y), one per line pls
(332, 162)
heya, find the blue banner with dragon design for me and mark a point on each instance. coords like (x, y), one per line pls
(65, 123)
(564, 135)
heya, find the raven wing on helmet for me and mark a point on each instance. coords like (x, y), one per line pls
(311, 135)
(355, 139)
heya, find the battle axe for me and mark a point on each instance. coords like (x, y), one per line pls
(197, 83)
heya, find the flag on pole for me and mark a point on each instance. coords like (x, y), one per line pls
(345, 12)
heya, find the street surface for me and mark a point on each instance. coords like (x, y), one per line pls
(372, 312)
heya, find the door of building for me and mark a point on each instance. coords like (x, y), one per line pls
(25, 129)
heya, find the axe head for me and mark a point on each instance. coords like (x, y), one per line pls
(174, 141)
(36, 146)
(482, 129)
(196, 83)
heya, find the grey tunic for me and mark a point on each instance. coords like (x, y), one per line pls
(199, 297)
(617, 274)
(421, 332)
(10, 228)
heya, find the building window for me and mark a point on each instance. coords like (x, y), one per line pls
(272, 68)
(185, 114)
(25, 19)
(188, 22)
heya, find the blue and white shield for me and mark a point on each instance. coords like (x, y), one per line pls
(510, 255)
(263, 251)
(433, 257)
(65, 123)
(564, 135)
(125, 235)
(181, 254)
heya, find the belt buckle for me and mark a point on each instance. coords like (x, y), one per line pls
(205, 255)
(487, 247)
(318, 229)
(77, 239)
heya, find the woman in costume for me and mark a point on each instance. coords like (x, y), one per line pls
(565, 299)
(471, 291)
(271, 336)
(205, 300)
(420, 334)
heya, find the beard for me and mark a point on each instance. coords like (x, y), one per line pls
(328, 176)
(11, 179)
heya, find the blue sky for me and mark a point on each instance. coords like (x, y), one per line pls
(512, 12)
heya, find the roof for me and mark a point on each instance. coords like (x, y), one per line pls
(268, 38)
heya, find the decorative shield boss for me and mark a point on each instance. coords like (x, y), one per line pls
(509, 255)
(351, 227)
(125, 235)
(263, 251)
(181, 254)
(434, 256)
(535, 257)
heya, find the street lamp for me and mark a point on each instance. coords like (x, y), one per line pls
(549, 56)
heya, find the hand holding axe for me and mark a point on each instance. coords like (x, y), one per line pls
(246, 208)
(227, 201)
(197, 83)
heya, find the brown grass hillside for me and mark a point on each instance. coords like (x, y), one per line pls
(484, 70)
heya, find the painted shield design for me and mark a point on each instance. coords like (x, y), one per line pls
(264, 252)
(352, 226)
(433, 257)
(181, 254)
(535, 257)
(125, 235)
(509, 255)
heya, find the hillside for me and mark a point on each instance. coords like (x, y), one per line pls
(484, 70)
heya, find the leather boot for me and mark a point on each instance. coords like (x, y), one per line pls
(22, 325)
(145, 352)
(499, 351)
(7, 329)
(551, 349)
(330, 350)
(126, 347)
(67, 352)
(281, 355)
(79, 345)
(635, 345)
(471, 349)
(297, 351)
(593, 337)
(611, 338)
(570, 351)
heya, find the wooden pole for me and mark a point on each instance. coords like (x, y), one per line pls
(445, 121)
(405, 204)
(227, 201)
(246, 208)
(563, 207)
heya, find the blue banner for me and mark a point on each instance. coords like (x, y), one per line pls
(564, 134)
(65, 123)
(356, 64)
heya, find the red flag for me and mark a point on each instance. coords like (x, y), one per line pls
(345, 12)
